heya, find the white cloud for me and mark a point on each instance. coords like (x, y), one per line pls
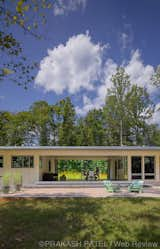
(72, 66)
(126, 37)
(155, 119)
(140, 74)
(79, 64)
(62, 7)
(88, 105)
(124, 40)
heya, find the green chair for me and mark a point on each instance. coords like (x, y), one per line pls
(110, 187)
(136, 186)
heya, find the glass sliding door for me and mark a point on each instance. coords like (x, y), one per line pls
(149, 167)
(136, 167)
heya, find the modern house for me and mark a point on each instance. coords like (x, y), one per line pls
(125, 162)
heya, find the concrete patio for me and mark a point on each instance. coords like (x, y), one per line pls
(152, 191)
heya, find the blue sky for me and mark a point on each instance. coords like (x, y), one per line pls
(87, 40)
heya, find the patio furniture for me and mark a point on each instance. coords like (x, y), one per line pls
(136, 186)
(110, 187)
(91, 175)
(63, 178)
(50, 177)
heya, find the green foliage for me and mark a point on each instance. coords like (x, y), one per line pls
(156, 77)
(6, 179)
(17, 178)
(81, 165)
(66, 122)
(41, 113)
(18, 128)
(91, 129)
(128, 108)
(27, 15)
(5, 118)
(45, 124)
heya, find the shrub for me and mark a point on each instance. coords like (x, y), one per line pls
(6, 179)
(17, 178)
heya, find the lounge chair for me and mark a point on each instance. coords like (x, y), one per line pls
(136, 186)
(110, 187)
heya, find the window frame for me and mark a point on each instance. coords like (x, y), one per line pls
(135, 175)
(152, 175)
(1, 156)
(23, 165)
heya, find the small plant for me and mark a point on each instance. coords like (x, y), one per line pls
(17, 178)
(6, 183)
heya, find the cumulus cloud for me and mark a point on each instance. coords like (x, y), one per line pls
(155, 119)
(140, 74)
(109, 68)
(88, 104)
(62, 7)
(79, 64)
(72, 66)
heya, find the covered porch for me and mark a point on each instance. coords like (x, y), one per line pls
(83, 168)
(119, 163)
(115, 167)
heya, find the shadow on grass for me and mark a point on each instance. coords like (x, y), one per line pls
(26, 222)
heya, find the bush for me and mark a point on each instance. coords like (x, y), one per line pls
(6, 180)
(17, 178)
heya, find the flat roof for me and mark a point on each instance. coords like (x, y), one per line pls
(79, 147)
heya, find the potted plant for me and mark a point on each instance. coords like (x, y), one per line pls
(6, 183)
(17, 178)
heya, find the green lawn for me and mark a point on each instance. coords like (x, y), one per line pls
(25, 222)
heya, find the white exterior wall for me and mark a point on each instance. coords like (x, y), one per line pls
(31, 175)
(45, 167)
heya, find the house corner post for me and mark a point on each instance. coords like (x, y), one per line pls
(129, 168)
(157, 169)
(143, 168)
(36, 166)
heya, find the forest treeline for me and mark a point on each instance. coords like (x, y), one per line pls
(125, 114)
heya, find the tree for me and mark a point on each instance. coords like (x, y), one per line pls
(139, 109)
(90, 130)
(156, 77)
(42, 118)
(152, 135)
(80, 131)
(66, 122)
(115, 107)
(25, 15)
(5, 118)
(126, 110)
(18, 129)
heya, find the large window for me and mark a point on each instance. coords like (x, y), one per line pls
(149, 162)
(1, 161)
(22, 162)
(136, 167)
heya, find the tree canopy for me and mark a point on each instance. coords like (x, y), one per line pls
(26, 15)
(127, 108)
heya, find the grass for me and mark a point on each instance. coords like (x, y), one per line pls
(75, 175)
(25, 222)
